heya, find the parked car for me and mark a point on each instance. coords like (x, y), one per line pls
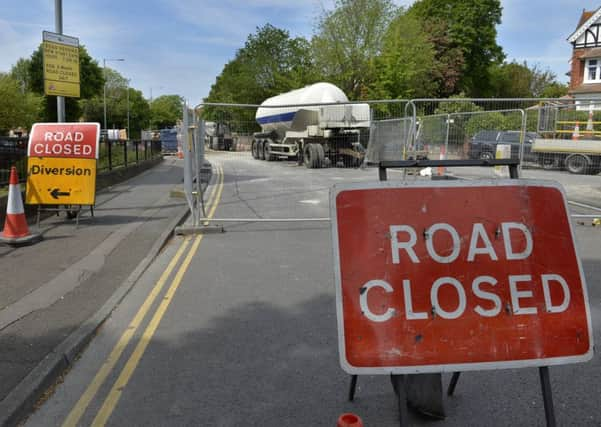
(483, 145)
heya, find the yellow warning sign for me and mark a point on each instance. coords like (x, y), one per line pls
(60, 181)
(61, 65)
(52, 87)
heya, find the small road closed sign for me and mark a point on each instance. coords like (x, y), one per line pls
(453, 276)
(61, 164)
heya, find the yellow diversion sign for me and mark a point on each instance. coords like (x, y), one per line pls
(61, 164)
(56, 181)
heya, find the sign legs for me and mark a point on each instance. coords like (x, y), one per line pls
(545, 383)
(453, 383)
(399, 386)
(424, 393)
(351, 391)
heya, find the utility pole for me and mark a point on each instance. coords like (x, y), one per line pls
(58, 24)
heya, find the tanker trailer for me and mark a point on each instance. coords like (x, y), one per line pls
(308, 124)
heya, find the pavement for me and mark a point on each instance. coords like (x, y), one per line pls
(55, 294)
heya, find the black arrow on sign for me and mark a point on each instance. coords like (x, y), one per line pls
(56, 193)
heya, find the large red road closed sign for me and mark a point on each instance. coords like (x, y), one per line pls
(452, 276)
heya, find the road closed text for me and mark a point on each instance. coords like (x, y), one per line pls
(62, 144)
(64, 140)
(486, 295)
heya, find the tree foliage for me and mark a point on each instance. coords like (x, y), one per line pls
(515, 80)
(269, 63)
(117, 106)
(472, 29)
(18, 107)
(404, 68)
(347, 41)
(165, 111)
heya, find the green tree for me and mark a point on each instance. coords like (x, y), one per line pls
(17, 109)
(515, 80)
(510, 80)
(269, 63)
(117, 106)
(471, 28)
(20, 72)
(404, 68)
(91, 83)
(348, 39)
(554, 90)
(165, 111)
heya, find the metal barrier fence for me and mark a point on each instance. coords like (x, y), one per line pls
(113, 154)
(476, 139)
(548, 133)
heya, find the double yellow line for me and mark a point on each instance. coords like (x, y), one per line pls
(109, 364)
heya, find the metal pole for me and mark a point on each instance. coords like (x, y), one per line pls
(128, 133)
(104, 93)
(545, 383)
(58, 24)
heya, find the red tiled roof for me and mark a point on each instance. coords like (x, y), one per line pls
(586, 14)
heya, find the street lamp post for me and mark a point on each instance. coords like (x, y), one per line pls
(104, 96)
(128, 134)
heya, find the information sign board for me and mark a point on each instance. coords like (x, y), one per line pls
(61, 65)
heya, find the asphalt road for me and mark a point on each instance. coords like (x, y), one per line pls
(239, 328)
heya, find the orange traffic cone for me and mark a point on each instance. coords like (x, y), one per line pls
(576, 133)
(16, 231)
(349, 420)
(442, 156)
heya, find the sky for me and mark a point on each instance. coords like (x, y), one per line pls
(180, 46)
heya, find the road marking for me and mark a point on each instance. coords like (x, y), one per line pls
(116, 391)
(111, 361)
(113, 397)
(109, 364)
(582, 205)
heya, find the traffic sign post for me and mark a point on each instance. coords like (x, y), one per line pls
(448, 276)
(61, 164)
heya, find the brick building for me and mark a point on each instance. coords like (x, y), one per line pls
(585, 72)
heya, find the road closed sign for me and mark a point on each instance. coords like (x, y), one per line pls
(61, 165)
(454, 276)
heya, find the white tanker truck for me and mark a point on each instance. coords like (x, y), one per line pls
(315, 134)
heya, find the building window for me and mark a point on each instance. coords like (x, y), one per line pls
(592, 73)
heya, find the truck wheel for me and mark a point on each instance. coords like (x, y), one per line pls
(267, 152)
(577, 164)
(486, 155)
(321, 156)
(549, 162)
(310, 156)
(254, 149)
(260, 150)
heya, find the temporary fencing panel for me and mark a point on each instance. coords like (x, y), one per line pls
(356, 136)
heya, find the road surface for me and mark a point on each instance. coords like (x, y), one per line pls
(239, 328)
